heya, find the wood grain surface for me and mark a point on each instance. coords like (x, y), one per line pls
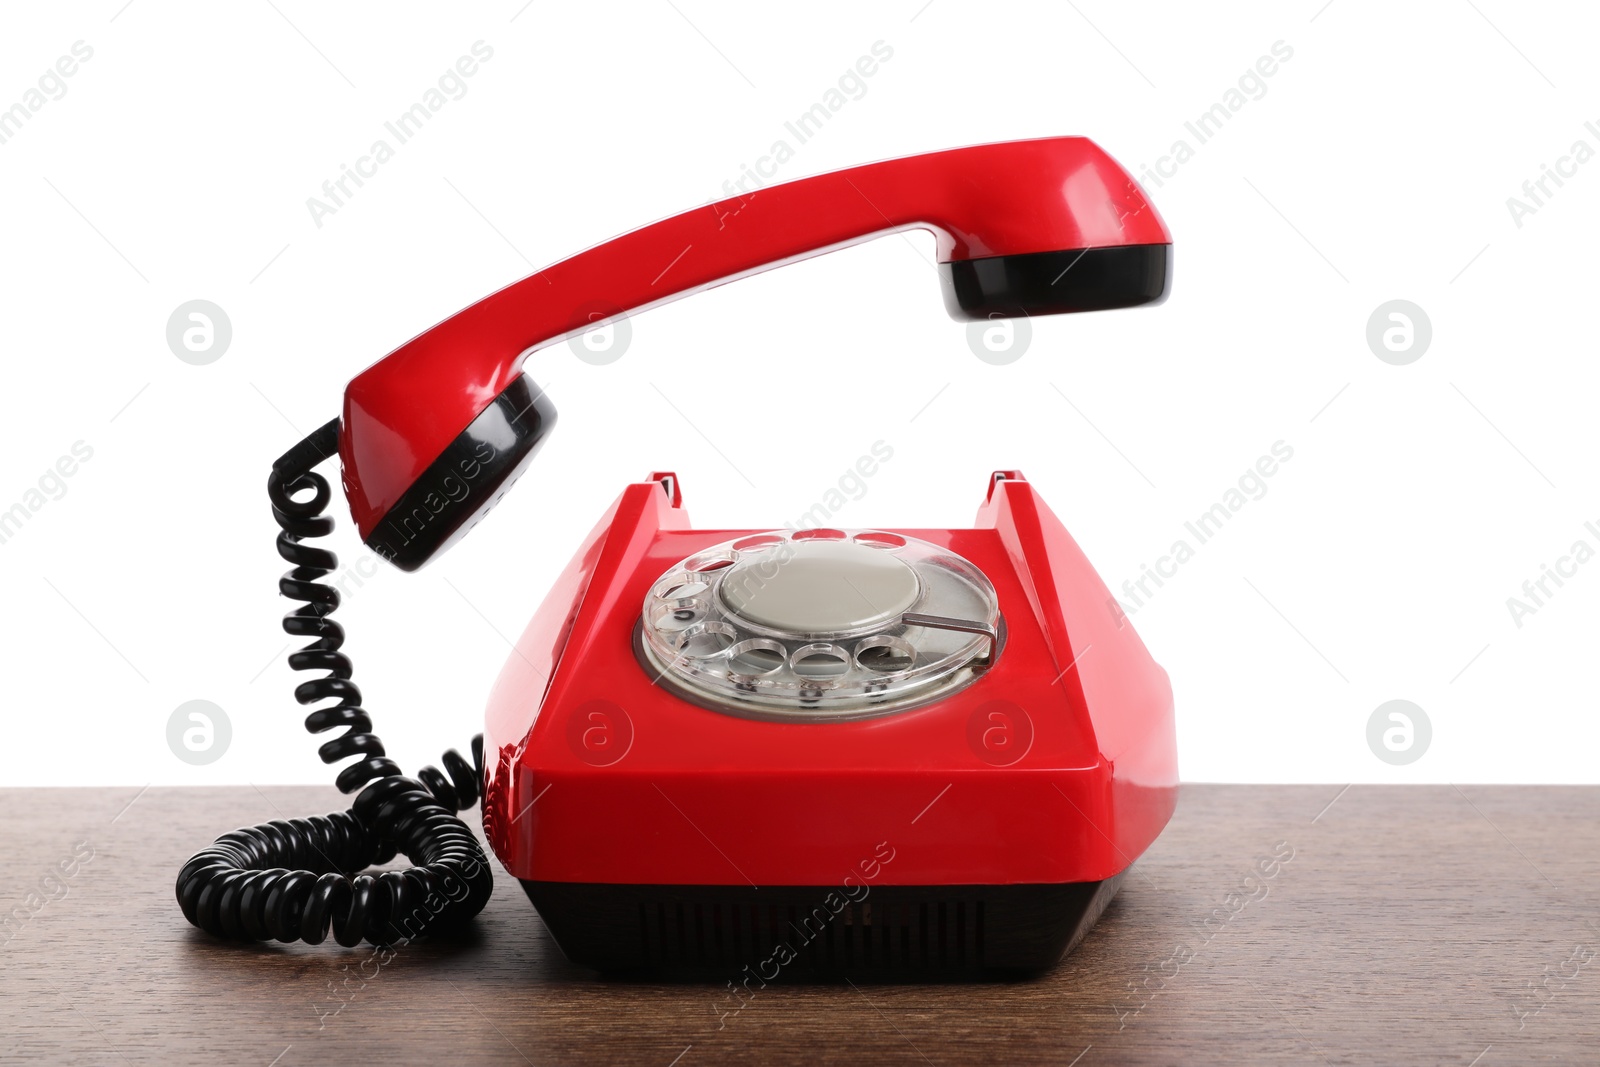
(1399, 925)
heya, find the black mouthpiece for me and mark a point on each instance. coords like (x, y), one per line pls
(467, 479)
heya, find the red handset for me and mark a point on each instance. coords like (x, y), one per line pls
(433, 432)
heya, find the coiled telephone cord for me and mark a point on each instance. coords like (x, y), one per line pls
(297, 879)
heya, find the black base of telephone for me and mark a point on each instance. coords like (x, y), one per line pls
(732, 931)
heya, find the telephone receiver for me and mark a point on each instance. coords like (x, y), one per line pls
(435, 432)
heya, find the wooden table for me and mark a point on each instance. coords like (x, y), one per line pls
(1411, 924)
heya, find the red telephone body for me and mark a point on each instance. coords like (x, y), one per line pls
(985, 830)
(906, 750)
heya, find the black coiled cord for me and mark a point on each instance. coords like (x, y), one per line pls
(294, 879)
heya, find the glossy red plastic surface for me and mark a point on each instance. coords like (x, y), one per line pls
(1058, 765)
(1016, 197)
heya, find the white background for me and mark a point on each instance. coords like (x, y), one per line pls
(1376, 166)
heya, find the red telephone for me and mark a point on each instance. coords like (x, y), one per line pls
(878, 749)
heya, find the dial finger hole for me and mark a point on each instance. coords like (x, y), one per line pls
(756, 657)
(819, 535)
(706, 640)
(707, 562)
(879, 539)
(678, 615)
(819, 661)
(680, 586)
(885, 655)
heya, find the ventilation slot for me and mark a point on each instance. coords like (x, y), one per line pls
(927, 934)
